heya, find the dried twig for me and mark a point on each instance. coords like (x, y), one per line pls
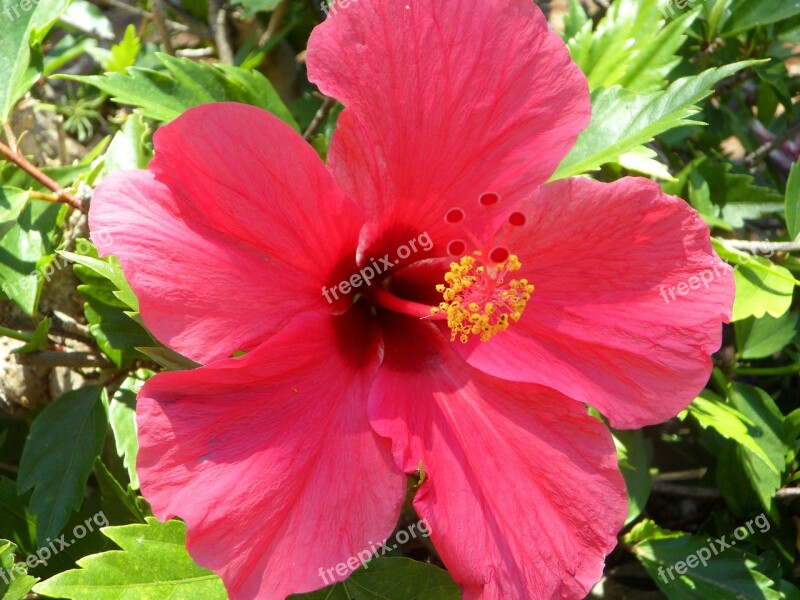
(762, 247)
(319, 118)
(218, 21)
(275, 22)
(161, 26)
(72, 360)
(762, 151)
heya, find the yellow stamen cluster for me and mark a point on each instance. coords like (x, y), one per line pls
(477, 303)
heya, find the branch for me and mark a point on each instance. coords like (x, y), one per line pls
(135, 10)
(319, 118)
(762, 151)
(60, 194)
(762, 247)
(704, 493)
(161, 26)
(218, 20)
(73, 360)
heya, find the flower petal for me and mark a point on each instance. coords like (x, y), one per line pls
(270, 459)
(220, 244)
(446, 99)
(606, 323)
(522, 493)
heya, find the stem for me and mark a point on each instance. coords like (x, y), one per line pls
(218, 21)
(15, 335)
(762, 247)
(161, 26)
(764, 150)
(319, 118)
(73, 360)
(275, 21)
(61, 195)
(787, 370)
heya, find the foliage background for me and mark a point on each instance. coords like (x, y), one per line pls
(85, 85)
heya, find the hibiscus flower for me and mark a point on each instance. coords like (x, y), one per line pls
(469, 359)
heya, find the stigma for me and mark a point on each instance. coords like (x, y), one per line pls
(479, 299)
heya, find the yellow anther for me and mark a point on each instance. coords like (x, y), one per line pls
(478, 302)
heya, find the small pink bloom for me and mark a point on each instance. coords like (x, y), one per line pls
(291, 459)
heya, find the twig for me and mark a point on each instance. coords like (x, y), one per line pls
(218, 20)
(61, 195)
(690, 491)
(764, 150)
(680, 475)
(10, 136)
(194, 52)
(762, 247)
(275, 22)
(62, 140)
(161, 26)
(704, 493)
(72, 360)
(319, 118)
(139, 12)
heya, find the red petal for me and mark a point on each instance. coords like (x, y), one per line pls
(221, 246)
(446, 99)
(270, 460)
(522, 492)
(601, 326)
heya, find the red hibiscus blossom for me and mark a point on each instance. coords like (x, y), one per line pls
(470, 357)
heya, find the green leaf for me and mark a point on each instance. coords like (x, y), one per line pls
(108, 268)
(396, 578)
(38, 340)
(747, 14)
(12, 201)
(632, 46)
(15, 57)
(623, 120)
(128, 150)
(792, 203)
(163, 96)
(18, 523)
(21, 250)
(152, 564)
(762, 287)
(732, 196)
(251, 7)
(711, 411)
(119, 505)
(124, 54)
(122, 414)
(117, 334)
(16, 25)
(168, 358)
(87, 17)
(19, 582)
(762, 291)
(741, 477)
(687, 567)
(634, 463)
(760, 338)
(65, 439)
